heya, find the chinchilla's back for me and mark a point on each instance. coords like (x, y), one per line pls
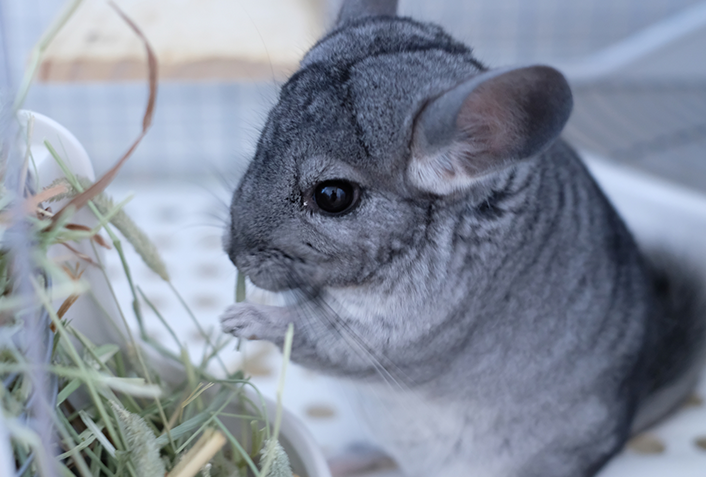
(675, 346)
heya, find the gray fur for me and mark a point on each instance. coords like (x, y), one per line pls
(507, 326)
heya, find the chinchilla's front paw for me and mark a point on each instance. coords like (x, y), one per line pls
(254, 322)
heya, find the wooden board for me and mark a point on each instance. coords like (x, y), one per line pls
(193, 40)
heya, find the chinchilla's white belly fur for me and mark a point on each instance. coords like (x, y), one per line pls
(434, 439)
(431, 437)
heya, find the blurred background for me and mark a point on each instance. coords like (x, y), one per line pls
(637, 68)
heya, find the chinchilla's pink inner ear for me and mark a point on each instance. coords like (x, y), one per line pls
(353, 9)
(485, 124)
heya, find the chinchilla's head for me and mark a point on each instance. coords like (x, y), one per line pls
(386, 119)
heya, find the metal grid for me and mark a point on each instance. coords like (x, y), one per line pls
(198, 129)
(211, 128)
(523, 31)
(660, 127)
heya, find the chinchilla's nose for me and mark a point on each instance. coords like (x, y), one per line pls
(251, 226)
(231, 242)
(240, 238)
(235, 236)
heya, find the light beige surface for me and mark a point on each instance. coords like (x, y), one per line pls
(193, 39)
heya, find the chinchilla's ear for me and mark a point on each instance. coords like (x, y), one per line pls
(352, 9)
(485, 124)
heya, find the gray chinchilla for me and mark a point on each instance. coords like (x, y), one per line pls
(454, 257)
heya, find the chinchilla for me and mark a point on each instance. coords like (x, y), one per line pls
(452, 255)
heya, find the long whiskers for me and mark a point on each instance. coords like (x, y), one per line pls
(319, 309)
(320, 306)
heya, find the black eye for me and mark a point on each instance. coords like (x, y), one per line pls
(336, 196)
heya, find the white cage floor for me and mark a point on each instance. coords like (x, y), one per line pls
(181, 219)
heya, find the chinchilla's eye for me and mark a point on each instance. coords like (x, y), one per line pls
(336, 196)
